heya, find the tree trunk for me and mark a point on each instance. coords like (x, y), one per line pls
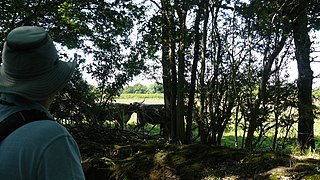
(278, 108)
(226, 116)
(174, 81)
(167, 86)
(237, 120)
(305, 77)
(253, 123)
(182, 12)
(169, 69)
(276, 112)
(215, 92)
(201, 124)
(193, 77)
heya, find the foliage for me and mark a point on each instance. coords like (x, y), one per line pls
(314, 12)
(142, 89)
(156, 88)
(230, 55)
(76, 102)
(100, 29)
(248, 44)
(135, 89)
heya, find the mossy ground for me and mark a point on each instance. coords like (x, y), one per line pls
(120, 154)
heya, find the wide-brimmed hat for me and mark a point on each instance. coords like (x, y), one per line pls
(30, 64)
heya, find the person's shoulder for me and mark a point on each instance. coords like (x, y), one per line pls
(42, 132)
(47, 127)
(38, 134)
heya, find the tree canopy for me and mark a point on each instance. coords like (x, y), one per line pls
(222, 63)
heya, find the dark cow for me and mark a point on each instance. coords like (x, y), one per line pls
(155, 114)
(122, 113)
(118, 112)
(149, 113)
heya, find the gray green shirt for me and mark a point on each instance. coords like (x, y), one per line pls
(40, 150)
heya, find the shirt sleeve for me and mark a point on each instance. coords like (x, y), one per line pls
(61, 160)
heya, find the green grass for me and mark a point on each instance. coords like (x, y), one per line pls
(141, 96)
(228, 138)
(290, 146)
(145, 98)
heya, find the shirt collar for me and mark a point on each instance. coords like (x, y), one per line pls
(21, 104)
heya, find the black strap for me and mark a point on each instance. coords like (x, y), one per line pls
(6, 103)
(18, 119)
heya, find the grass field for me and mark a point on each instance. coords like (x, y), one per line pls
(145, 98)
(229, 138)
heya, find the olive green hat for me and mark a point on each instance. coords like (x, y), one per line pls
(30, 64)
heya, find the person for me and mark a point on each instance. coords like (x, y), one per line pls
(31, 74)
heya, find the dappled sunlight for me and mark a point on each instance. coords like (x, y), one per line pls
(122, 154)
(314, 156)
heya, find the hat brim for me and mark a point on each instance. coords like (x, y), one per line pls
(41, 87)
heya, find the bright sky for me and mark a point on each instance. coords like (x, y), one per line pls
(315, 66)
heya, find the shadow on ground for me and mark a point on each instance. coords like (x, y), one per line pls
(119, 154)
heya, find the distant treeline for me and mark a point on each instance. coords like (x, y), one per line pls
(138, 88)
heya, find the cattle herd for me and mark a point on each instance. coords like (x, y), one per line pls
(146, 114)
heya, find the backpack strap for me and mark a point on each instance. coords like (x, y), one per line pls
(18, 119)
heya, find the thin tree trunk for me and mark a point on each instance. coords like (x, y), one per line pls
(276, 117)
(201, 122)
(244, 131)
(182, 12)
(174, 81)
(253, 123)
(167, 86)
(193, 77)
(214, 101)
(169, 69)
(276, 106)
(236, 141)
